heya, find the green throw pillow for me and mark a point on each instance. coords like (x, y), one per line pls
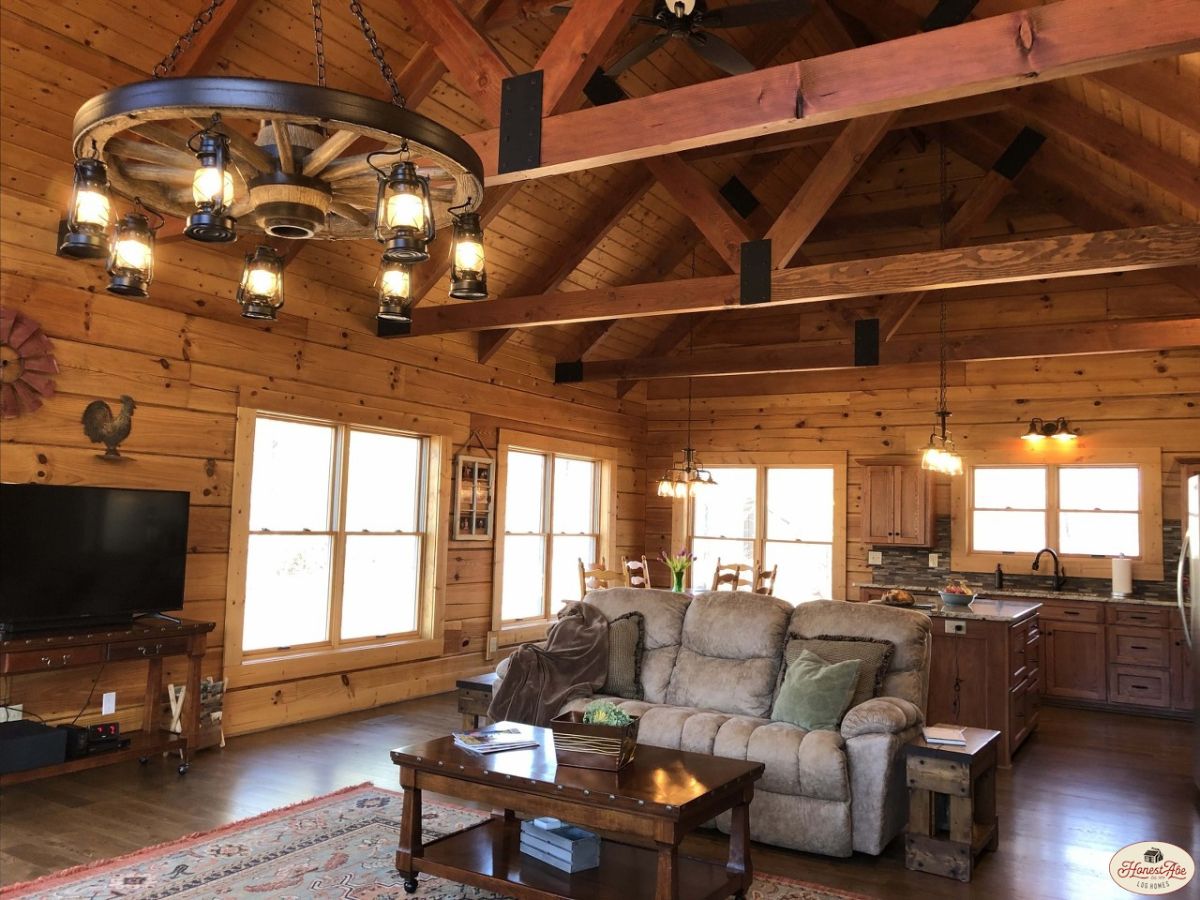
(814, 694)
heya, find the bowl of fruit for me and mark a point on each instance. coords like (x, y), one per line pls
(957, 593)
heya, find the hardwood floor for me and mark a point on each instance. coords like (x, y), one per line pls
(1084, 785)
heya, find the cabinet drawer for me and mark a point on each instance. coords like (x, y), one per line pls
(1033, 648)
(1133, 646)
(1018, 654)
(1139, 686)
(1071, 612)
(1155, 616)
(59, 658)
(148, 649)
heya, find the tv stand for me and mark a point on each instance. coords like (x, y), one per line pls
(88, 646)
(157, 617)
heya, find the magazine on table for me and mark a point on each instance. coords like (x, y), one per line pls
(945, 734)
(494, 740)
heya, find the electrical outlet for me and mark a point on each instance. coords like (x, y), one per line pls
(108, 703)
(13, 713)
(874, 557)
(933, 560)
(953, 627)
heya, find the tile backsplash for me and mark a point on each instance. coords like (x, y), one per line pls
(910, 565)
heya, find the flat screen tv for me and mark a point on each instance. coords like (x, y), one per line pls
(89, 555)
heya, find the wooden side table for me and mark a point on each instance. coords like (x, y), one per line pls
(951, 804)
(474, 698)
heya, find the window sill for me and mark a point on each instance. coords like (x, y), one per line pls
(325, 661)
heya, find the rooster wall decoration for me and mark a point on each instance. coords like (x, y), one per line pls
(102, 427)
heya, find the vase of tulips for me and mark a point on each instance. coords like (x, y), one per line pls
(678, 563)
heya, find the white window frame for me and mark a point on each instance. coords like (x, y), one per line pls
(243, 668)
(1147, 566)
(507, 631)
(683, 513)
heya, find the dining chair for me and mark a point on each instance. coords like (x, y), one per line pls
(637, 572)
(764, 579)
(735, 576)
(598, 576)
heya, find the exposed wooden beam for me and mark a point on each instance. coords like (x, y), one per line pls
(1062, 256)
(701, 202)
(1153, 86)
(466, 52)
(825, 184)
(1051, 110)
(579, 46)
(1007, 343)
(1071, 37)
(622, 197)
(207, 46)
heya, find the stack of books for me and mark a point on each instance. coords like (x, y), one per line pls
(566, 847)
(494, 740)
(945, 734)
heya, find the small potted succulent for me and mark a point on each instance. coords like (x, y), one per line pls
(957, 593)
(603, 736)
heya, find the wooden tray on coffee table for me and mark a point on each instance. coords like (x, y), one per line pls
(643, 812)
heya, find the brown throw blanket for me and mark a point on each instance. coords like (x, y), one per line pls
(540, 679)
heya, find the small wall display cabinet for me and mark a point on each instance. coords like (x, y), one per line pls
(473, 496)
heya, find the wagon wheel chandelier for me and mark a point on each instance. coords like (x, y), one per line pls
(280, 160)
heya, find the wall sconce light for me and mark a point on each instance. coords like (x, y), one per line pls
(1058, 429)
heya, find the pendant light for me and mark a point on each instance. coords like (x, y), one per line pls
(395, 291)
(687, 479)
(131, 254)
(404, 212)
(261, 292)
(83, 233)
(468, 280)
(212, 187)
(940, 455)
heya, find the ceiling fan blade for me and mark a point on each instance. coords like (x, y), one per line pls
(720, 53)
(637, 54)
(757, 13)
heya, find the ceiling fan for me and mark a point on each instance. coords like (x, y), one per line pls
(690, 21)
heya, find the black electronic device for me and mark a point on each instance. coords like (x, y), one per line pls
(84, 740)
(30, 745)
(89, 556)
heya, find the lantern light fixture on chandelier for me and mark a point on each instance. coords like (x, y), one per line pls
(278, 158)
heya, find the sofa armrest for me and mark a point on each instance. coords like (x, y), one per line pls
(880, 715)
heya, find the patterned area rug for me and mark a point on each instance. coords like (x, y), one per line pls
(341, 845)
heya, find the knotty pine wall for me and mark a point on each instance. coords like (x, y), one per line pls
(183, 355)
(1117, 400)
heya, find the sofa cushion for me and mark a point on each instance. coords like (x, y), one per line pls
(875, 656)
(626, 637)
(907, 629)
(732, 644)
(663, 612)
(815, 694)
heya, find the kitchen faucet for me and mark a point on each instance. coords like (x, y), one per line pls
(1059, 578)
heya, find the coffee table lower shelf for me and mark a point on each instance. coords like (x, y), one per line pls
(488, 855)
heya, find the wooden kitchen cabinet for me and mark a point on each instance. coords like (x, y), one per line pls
(1183, 684)
(1073, 656)
(898, 504)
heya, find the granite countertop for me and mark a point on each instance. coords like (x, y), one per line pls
(1025, 593)
(985, 609)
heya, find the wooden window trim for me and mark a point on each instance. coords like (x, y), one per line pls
(1146, 567)
(681, 513)
(256, 668)
(507, 633)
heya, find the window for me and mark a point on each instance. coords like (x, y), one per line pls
(785, 516)
(1091, 509)
(332, 550)
(334, 544)
(553, 512)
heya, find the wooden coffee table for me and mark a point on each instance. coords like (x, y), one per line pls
(643, 813)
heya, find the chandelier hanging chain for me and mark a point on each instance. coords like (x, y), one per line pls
(377, 52)
(185, 40)
(942, 300)
(319, 40)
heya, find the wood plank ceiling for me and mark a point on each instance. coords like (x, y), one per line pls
(1122, 149)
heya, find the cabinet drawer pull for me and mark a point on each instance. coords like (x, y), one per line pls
(1140, 687)
(46, 660)
(1137, 647)
(1070, 612)
(1139, 618)
(66, 658)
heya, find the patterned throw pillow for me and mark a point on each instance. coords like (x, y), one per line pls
(875, 655)
(626, 637)
(815, 694)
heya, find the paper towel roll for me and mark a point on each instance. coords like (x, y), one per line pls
(1122, 576)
